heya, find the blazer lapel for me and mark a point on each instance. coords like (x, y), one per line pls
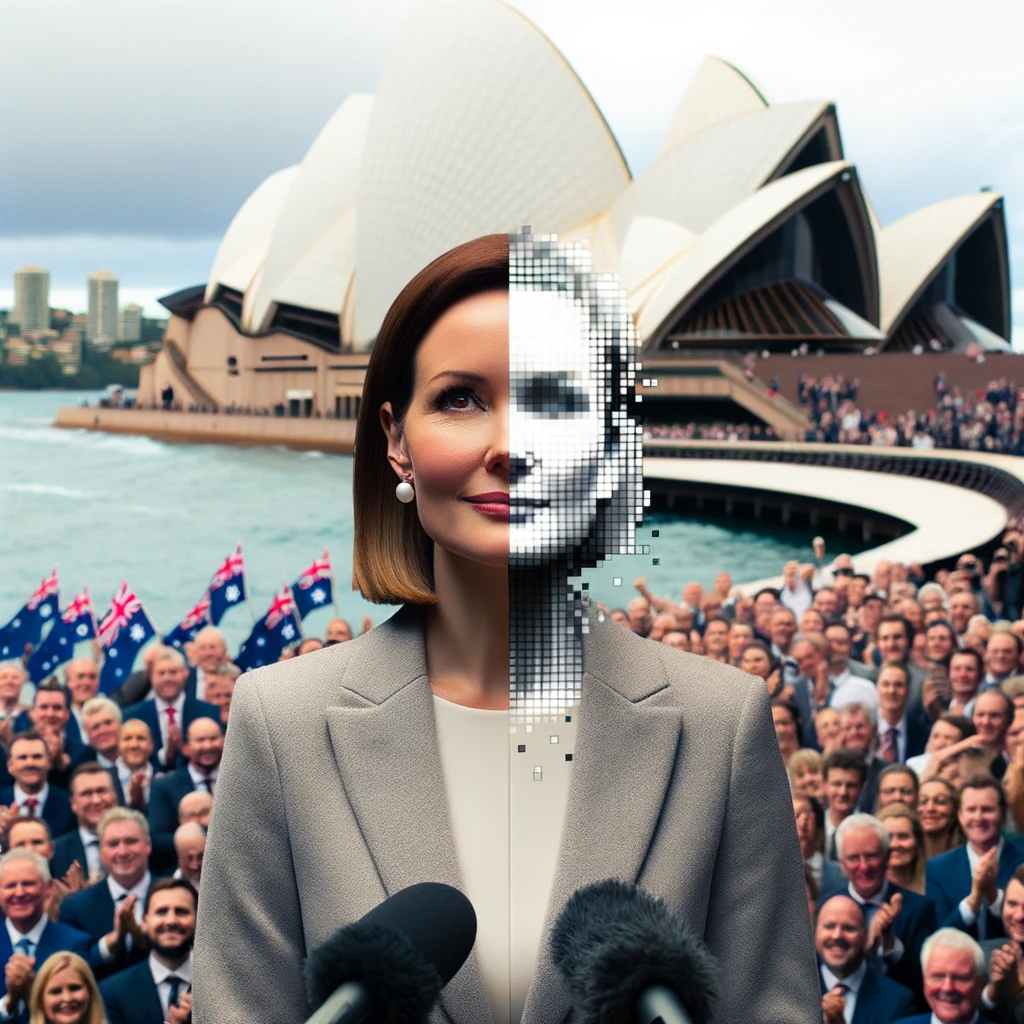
(625, 753)
(385, 744)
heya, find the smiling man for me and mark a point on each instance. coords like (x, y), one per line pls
(954, 977)
(145, 993)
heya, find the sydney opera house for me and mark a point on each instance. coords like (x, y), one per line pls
(749, 231)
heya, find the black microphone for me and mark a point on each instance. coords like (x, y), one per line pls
(627, 959)
(391, 964)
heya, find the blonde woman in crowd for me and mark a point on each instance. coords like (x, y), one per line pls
(805, 776)
(65, 992)
(906, 845)
(937, 808)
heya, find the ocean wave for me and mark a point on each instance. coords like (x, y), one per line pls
(50, 489)
(125, 444)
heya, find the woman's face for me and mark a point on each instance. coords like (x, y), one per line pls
(934, 807)
(826, 725)
(756, 662)
(454, 440)
(66, 999)
(902, 843)
(809, 781)
(785, 729)
(559, 463)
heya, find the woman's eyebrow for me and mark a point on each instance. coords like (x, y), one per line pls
(476, 378)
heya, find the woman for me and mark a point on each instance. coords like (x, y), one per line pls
(504, 417)
(827, 729)
(937, 810)
(804, 770)
(786, 716)
(65, 992)
(946, 742)
(757, 660)
(906, 846)
(827, 875)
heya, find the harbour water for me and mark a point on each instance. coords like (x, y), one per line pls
(105, 507)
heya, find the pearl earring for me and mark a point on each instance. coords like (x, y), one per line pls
(404, 492)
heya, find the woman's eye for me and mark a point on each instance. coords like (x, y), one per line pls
(456, 399)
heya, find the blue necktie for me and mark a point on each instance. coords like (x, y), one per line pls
(175, 982)
(26, 947)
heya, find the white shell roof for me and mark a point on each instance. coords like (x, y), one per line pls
(316, 221)
(244, 245)
(728, 235)
(716, 93)
(913, 248)
(698, 181)
(505, 135)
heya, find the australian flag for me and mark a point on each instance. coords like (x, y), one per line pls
(228, 586)
(123, 631)
(271, 634)
(194, 621)
(27, 626)
(315, 587)
(76, 623)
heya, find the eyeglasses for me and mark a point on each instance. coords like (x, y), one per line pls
(956, 979)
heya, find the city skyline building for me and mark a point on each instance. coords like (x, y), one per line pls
(102, 324)
(129, 323)
(31, 298)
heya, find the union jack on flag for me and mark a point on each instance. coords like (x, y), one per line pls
(271, 634)
(189, 626)
(50, 587)
(227, 588)
(76, 623)
(281, 606)
(27, 625)
(315, 587)
(123, 632)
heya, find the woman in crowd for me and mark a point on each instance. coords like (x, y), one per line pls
(786, 716)
(804, 768)
(946, 741)
(937, 809)
(65, 992)
(827, 728)
(906, 846)
(757, 660)
(356, 771)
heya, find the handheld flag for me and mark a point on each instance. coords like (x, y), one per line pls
(27, 626)
(271, 634)
(228, 586)
(194, 621)
(123, 631)
(315, 587)
(76, 623)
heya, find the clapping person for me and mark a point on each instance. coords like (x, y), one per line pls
(65, 992)
(134, 765)
(28, 936)
(854, 992)
(12, 682)
(1003, 998)
(92, 795)
(158, 988)
(31, 795)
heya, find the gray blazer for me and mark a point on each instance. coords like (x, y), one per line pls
(330, 798)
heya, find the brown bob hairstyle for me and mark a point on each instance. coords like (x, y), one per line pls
(393, 558)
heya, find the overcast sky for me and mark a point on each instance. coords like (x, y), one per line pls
(131, 132)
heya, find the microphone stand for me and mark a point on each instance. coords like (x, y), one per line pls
(658, 1004)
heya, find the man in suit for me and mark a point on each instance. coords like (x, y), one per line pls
(843, 771)
(138, 687)
(92, 795)
(893, 640)
(134, 768)
(101, 723)
(898, 920)
(171, 710)
(897, 784)
(992, 716)
(28, 936)
(203, 750)
(51, 718)
(899, 735)
(111, 910)
(148, 992)
(968, 882)
(857, 728)
(208, 652)
(28, 761)
(954, 978)
(30, 834)
(853, 991)
(844, 686)
(190, 848)
(1003, 998)
(195, 806)
(82, 680)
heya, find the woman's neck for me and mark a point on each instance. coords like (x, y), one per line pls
(467, 633)
(936, 843)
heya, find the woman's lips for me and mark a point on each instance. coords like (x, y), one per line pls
(493, 504)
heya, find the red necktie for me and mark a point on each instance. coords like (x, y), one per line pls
(31, 803)
(889, 749)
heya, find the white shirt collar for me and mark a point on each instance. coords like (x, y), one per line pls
(198, 777)
(974, 1019)
(21, 796)
(34, 934)
(104, 760)
(117, 890)
(124, 772)
(876, 901)
(884, 726)
(852, 981)
(87, 836)
(161, 972)
(178, 704)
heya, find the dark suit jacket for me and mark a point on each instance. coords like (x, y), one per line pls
(56, 811)
(833, 877)
(926, 1018)
(165, 794)
(66, 850)
(56, 938)
(803, 688)
(72, 733)
(880, 1000)
(92, 911)
(948, 881)
(914, 923)
(192, 709)
(869, 794)
(130, 996)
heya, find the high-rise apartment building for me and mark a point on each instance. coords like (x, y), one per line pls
(101, 328)
(32, 298)
(129, 324)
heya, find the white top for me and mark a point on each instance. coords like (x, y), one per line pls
(475, 748)
(161, 972)
(849, 689)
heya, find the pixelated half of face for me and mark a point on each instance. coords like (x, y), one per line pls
(572, 448)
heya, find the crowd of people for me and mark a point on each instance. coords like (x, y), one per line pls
(991, 421)
(898, 704)
(105, 801)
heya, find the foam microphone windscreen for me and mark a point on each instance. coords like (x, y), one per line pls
(613, 941)
(404, 951)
